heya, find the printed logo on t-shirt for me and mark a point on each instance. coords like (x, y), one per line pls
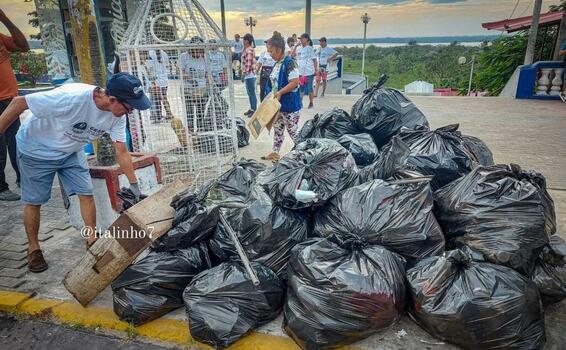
(79, 128)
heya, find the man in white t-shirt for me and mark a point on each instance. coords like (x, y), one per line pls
(237, 49)
(306, 59)
(324, 54)
(51, 142)
(218, 65)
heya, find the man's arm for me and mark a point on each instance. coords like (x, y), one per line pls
(124, 159)
(12, 112)
(17, 36)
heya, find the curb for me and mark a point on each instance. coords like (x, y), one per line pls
(173, 331)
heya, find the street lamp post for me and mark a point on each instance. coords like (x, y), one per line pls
(365, 19)
(462, 61)
(250, 22)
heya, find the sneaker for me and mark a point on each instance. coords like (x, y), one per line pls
(249, 113)
(36, 262)
(9, 196)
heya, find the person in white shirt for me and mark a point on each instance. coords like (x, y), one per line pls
(51, 141)
(265, 65)
(157, 69)
(324, 55)
(237, 49)
(306, 59)
(218, 66)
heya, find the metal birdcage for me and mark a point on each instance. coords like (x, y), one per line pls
(182, 59)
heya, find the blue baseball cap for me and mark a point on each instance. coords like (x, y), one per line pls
(127, 88)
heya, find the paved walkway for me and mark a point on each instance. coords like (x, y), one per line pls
(529, 133)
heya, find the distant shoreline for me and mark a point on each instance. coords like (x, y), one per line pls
(405, 40)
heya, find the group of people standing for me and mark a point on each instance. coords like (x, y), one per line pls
(288, 69)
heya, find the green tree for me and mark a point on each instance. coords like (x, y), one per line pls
(30, 64)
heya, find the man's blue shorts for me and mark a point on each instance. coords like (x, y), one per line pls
(37, 177)
(307, 88)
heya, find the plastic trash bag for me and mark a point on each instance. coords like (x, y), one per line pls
(196, 211)
(153, 286)
(128, 198)
(266, 231)
(382, 112)
(361, 146)
(326, 167)
(396, 215)
(330, 125)
(223, 305)
(439, 153)
(475, 304)
(549, 273)
(338, 296)
(390, 161)
(479, 150)
(242, 133)
(500, 211)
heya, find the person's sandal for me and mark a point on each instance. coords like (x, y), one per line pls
(273, 157)
(36, 262)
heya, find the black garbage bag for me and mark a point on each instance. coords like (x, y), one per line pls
(195, 219)
(242, 132)
(361, 146)
(154, 285)
(338, 296)
(196, 211)
(549, 273)
(439, 153)
(266, 231)
(223, 305)
(500, 211)
(391, 160)
(128, 198)
(396, 215)
(478, 149)
(382, 112)
(330, 125)
(475, 304)
(318, 168)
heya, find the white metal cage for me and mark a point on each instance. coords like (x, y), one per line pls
(183, 61)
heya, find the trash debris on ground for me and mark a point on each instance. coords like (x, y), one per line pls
(461, 299)
(242, 132)
(361, 146)
(401, 334)
(224, 305)
(478, 149)
(439, 153)
(154, 285)
(397, 215)
(382, 112)
(266, 231)
(501, 211)
(549, 273)
(337, 296)
(313, 172)
(329, 125)
(129, 198)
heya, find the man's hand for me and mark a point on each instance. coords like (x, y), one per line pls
(135, 188)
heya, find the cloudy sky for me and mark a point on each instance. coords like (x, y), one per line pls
(341, 18)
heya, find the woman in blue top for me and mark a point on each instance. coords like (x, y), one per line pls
(284, 83)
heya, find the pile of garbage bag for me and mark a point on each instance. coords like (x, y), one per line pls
(337, 296)
(223, 304)
(361, 146)
(382, 112)
(474, 304)
(128, 198)
(266, 231)
(197, 210)
(397, 215)
(549, 273)
(440, 153)
(309, 175)
(391, 161)
(500, 211)
(330, 125)
(153, 285)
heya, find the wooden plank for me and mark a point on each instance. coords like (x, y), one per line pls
(111, 256)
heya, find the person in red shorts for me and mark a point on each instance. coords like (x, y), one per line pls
(324, 55)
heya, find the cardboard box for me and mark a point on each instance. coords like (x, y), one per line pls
(264, 116)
